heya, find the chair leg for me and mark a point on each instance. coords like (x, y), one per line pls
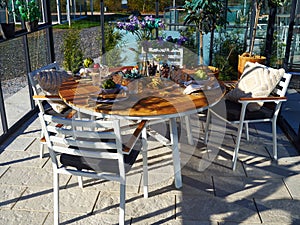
(208, 117)
(145, 162)
(274, 134)
(56, 198)
(247, 131)
(237, 146)
(42, 145)
(189, 130)
(80, 182)
(122, 205)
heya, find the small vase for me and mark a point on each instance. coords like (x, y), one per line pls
(32, 25)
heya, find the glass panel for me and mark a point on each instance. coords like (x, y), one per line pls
(38, 51)
(14, 80)
(1, 128)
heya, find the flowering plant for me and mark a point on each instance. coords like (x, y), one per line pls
(179, 41)
(143, 28)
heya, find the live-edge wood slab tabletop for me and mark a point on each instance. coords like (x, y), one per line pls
(155, 97)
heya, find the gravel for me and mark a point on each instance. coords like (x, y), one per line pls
(12, 81)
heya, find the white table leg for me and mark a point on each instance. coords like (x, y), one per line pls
(189, 130)
(175, 153)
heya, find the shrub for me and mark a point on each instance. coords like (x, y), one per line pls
(72, 52)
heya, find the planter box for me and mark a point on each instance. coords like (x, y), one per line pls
(245, 57)
(32, 26)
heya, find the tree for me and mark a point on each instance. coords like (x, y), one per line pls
(273, 4)
(206, 15)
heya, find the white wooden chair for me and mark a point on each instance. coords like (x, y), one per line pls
(40, 98)
(94, 150)
(238, 114)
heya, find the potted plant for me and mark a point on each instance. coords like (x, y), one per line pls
(29, 13)
(7, 29)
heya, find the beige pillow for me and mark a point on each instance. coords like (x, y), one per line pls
(256, 81)
(50, 81)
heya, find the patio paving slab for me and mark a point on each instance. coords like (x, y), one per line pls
(133, 182)
(22, 159)
(9, 195)
(20, 217)
(216, 209)
(137, 206)
(249, 188)
(3, 169)
(264, 168)
(72, 200)
(86, 219)
(282, 211)
(168, 221)
(19, 144)
(293, 185)
(29, 176)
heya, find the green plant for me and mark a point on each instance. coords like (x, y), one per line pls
(227, 47)
(73, 55)
(29, 11)
(113, 45)
(273, 5)
(207, 16)
(278, 50)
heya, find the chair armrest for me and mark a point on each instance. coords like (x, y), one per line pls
(47, 97)
(262, 99)
(135, 136)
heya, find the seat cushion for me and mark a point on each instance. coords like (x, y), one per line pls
(50, 81)
(233, 111)
(101, 165)
(256, 81)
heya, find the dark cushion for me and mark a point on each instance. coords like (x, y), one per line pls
(233, 111)
(101, 165)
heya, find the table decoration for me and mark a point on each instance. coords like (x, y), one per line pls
(143, 29)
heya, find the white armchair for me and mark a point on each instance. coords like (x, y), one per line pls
(238, 113)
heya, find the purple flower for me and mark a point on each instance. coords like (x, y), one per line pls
(141, 28)
(120, 25)
(183, 38)
(169, 38)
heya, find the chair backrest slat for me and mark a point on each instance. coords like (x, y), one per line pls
(174, 56)
(87, 139)
(79, 123)
(99, 144)
(283, 84)
(80, 133)
(85, 153)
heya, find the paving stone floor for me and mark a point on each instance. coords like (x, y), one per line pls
(260, 191)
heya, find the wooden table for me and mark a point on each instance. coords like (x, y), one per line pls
(164, 101)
